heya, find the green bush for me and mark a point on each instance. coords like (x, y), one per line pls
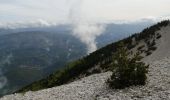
(148, 53)
(153, 48)
(127, 71)
(158, 36)
(142, 46)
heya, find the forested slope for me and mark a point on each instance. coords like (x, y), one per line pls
(100, 60)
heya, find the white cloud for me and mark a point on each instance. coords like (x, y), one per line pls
(93, 10)
(85, 15)
(87, 33)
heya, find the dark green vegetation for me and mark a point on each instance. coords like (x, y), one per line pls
(29, 56)
(99, 60)
(127, 71)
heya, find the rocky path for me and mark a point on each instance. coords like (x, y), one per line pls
(157, 87)
(84, 89)
(94, 88)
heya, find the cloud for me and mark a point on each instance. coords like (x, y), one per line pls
(27, 24)
(94, 10)
(86, 16)
(87, 33)
(83, 28)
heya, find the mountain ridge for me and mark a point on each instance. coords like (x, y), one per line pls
(100, 60)
(94, 87)
(29, 54)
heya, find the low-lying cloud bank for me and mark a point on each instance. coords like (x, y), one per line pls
(45, 23)
(81, 28)
(26, 24)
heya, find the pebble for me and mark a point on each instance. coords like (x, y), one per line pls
(94, 88)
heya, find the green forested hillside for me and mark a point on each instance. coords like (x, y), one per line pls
(29, 56)
(100, 60)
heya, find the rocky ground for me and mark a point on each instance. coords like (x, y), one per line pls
(95, 88)
(157, 87)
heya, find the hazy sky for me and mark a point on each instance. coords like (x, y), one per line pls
(88, 10)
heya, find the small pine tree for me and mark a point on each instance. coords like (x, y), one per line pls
(127, 71)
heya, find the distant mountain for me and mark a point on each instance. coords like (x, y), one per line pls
(30, 54)
(115, 32)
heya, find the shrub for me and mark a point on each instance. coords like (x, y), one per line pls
(153, 48)
(142, 46)
(158, 36)
(94, 71)
(130, 46)
(127, 71)
(148, 53)
(153, 43)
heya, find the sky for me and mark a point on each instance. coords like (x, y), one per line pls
(63, 11)
(85, 16)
